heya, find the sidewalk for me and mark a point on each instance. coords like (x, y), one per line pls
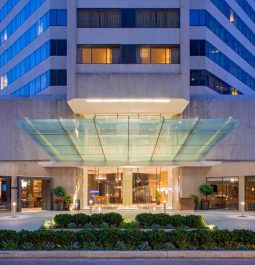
(222, 219)
(125, 254)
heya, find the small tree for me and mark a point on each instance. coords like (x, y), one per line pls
(206, 190)
(59, 191)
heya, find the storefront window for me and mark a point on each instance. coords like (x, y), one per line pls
(225, 194)
(5, 193)
(250, 193)
(31, 193)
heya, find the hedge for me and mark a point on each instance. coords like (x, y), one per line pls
(144, 220)
(130, 239)
(80, 220)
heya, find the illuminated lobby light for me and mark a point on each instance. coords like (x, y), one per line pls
(128, 100)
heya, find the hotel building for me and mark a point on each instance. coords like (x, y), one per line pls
(127, 103)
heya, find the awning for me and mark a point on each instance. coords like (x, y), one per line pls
(128, 139)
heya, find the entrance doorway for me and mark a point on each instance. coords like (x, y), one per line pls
(147, 186)
(31, 194)
(34, 193)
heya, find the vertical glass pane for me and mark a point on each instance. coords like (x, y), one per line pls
(145, 55)
(158, 56)
(99, 55)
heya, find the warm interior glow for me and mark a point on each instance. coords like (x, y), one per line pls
(127, 100)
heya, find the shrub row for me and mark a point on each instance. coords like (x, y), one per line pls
(146, 220)
(131, 239)
(80, 220)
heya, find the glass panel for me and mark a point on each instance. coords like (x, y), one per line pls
(145, 55)
(99, 55)
(225, 193)
(122, 139)
(158, 55)
(250, 193)
(105, 188)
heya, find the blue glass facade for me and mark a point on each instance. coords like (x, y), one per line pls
(7, 8)
(236, 20)
(203, 18)
(20, 18)
(247, 9)
(205, 78)
(51, 18)
(204, 48)
(50, 48)
(54, 77)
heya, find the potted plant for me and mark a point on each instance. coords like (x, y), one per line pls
(68, 200)
(206, 190)
(158, 196)
(195, 198)
(59, 192)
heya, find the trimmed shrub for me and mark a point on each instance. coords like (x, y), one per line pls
(148, 220)
(113, 219)
(132, 239)
(96, 219)
(62, 220)
(80, 219)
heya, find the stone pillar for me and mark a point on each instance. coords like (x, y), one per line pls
(127, 187)
(81, 186)
(241, 191)
(14, 191)
(170, 187)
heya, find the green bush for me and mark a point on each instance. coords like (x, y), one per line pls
(96, 219)
(148, 220)
(130, 239)
(80, 219)
(62, 220)
(113, 219)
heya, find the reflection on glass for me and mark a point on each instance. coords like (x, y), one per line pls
(225, 194)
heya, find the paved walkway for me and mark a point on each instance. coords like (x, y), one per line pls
(127, 261)
(32, 220)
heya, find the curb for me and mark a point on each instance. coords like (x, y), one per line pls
(126, 254)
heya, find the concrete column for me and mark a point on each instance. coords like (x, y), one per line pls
(14, 190)
(170, 191)
(241, 191)
(127, 187)
(81, 186)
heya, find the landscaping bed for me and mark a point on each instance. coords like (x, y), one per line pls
(142, 221)
(128, 239)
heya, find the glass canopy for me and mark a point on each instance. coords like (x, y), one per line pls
(128, 139)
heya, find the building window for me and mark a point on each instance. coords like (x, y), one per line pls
(205, 78)
(98, 55)
(3, 82)
(98, 18)
(159, 55)
(158, 18)
(226, 193)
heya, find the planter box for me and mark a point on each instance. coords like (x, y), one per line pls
(187, 204)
